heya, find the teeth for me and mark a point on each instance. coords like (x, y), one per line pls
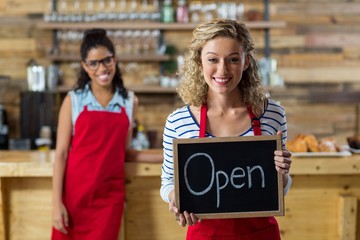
(221, 80)
(103, 77)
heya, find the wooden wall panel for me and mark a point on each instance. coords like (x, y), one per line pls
(348, 206)
(319, 45)
(321, 74)
(322, 120)
(18, 45)
(311, 8)
(2, 5)
(21, 7)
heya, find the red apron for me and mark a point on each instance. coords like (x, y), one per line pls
(94, 188)
(260, 228)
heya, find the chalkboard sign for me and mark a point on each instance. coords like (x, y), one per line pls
(228, 177)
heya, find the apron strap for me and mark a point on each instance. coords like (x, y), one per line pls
(203, 121)
(255, 122)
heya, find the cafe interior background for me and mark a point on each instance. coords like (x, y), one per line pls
(308, 51)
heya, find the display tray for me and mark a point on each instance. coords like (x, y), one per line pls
(322, 154)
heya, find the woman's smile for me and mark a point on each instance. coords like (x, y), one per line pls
(223, 62)
(221, 80)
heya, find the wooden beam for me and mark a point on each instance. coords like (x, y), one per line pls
(330, 97)
(313, 8)
(2, 212)
(347, 217)
(320, 74)
(332, 39)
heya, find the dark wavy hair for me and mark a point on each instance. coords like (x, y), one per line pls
(94, 38)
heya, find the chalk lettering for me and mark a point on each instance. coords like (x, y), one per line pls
(212, 174)
(236, 173)
(218, 187)
(233, 175)
(250, 170)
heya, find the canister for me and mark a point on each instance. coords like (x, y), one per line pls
(35, 76)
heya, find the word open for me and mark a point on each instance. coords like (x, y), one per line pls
(237, 174)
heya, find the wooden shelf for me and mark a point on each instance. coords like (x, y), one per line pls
(122, 58)
(156, 89)
(147, 25)
(140, 89)
(147, 89)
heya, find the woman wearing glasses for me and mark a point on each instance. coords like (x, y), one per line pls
(95, 123)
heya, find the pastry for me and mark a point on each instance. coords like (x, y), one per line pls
(328, 145)
(297, 145)
(312, 143)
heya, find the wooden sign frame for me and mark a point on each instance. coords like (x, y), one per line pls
(277, 196)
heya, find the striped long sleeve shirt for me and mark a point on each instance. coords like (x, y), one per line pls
(182, 124)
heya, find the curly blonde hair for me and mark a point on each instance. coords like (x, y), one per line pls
(192, 87)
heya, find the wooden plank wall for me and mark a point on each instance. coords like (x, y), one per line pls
(318, 55)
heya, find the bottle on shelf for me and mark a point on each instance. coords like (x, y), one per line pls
(140, 140)
(35, 76)
(44, 141)
(182, 13)
(168, 14)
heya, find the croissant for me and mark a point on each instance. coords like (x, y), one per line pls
(312, 143)
(309, 143)
(297, 145)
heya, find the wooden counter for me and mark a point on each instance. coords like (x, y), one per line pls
(322, 203)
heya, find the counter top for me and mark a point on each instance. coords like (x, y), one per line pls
(40, 163)
(324, 188)
(26, 163)
(326, 165)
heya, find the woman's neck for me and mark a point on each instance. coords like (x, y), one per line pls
(224, 103)
(102, 95)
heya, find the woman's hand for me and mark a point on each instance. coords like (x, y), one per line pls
(60, 218)
(184, 218)
(282, 160)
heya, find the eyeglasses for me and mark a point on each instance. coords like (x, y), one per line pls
(94, 64)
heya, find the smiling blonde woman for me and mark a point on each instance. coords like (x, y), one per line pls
(220, 84)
